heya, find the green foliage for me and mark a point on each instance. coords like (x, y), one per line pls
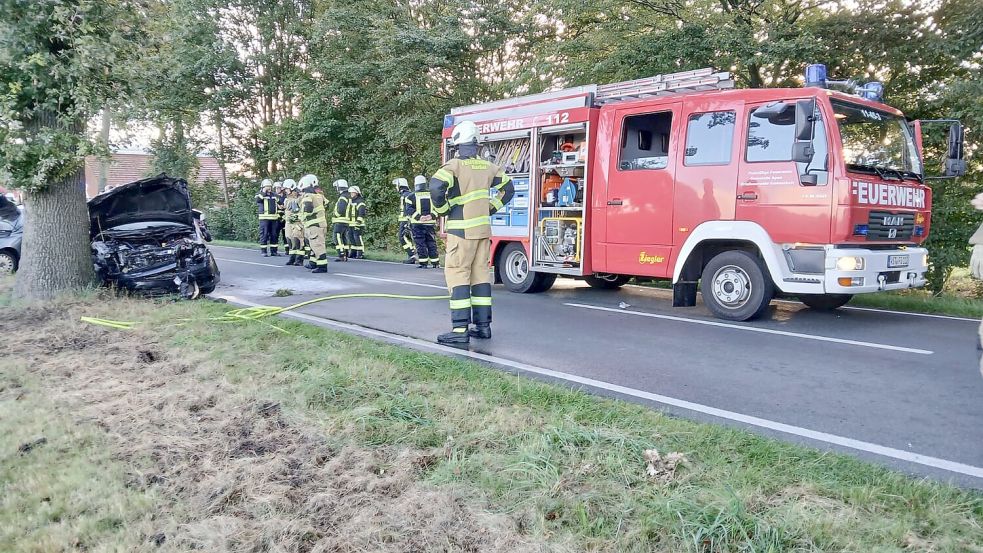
(240, 221)
(59, 61)
(205, 195)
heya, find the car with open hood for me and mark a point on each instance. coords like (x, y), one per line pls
(146, 238)
(11, 234)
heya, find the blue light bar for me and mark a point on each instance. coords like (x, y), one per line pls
(860, 230)
(816, 75)
(448, 121)
(919, 231)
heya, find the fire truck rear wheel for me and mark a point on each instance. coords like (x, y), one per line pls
(607, 281)
(825, 302)
(736, 286)
(517, 276)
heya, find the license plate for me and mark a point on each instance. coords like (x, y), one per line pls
(896, 261)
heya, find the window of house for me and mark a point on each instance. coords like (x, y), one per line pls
(710, 138)
(645, 141)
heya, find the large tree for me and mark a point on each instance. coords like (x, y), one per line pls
(59, 61)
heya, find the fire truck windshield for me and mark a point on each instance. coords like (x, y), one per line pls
(877, 142)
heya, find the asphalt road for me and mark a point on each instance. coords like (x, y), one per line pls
(900, 389)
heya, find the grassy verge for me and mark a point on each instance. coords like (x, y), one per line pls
(918, 301)
(374, 255)
(564, 470)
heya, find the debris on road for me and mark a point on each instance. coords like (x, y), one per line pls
(29, 446)
(624, 305)
(663, 468)
(283, 292)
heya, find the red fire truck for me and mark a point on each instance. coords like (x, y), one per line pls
(747, 193)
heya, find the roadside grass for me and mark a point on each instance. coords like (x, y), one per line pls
(60, 488)
(918, 301)
(568, 467)
(374, 255)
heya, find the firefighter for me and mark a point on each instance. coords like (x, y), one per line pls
(356, 222)
(266, 205)
(315, 222)
(405, 233)
(295, 227)
(423, 224)
(281, 226)
(460, 190)
(976, 264)
(339, 220)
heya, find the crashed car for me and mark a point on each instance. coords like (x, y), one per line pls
(11, 234)
(146, 238)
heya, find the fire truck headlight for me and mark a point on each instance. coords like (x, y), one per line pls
(925, 260)
(850, 263)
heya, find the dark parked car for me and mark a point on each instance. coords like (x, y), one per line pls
(146, 238)
(11, 234)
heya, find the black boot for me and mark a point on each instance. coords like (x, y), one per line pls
(421, 266)
(291, 260)
(482, 332)
(410, 261)
(310, 264)
(435, 264)
(265, 253)
(457, 337)
(320, 269)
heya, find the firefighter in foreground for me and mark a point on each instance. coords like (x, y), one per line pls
(460, 190)
(295, 228)
(315, 222)
(419, 208)
(268, 217)
(339, 220)
(405, 234)
(356, 222)
(281, 226)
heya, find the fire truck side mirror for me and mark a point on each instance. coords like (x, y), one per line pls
(805, 120)
(955, 165)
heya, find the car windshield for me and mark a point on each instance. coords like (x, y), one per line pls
(876, 140)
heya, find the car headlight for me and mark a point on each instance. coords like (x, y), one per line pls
(850, 263)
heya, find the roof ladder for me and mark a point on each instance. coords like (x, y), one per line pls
(697, 80)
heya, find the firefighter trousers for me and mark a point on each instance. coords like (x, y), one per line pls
(468, 281)
(425, 237)
(319, 251)
(356, 247)
(340, 231)
(295, 236)
(267, 235)
(406, 238)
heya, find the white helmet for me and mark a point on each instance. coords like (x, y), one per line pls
(401, 183)
(290, 184)
(354, 190)
(419, 179)
(341, 185)
(308, 182)
(277, 184)
(466, 132)
(267, 183)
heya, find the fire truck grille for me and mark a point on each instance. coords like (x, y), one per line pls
(885, 225)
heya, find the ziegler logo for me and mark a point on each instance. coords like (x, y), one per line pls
(646, 259)
(870, 193)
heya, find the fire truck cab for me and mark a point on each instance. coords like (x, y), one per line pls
(746, 194)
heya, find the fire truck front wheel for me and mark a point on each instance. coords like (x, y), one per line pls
(736, 286)
(517, 275)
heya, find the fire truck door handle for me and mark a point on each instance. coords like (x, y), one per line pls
(616, 201)
(748, 196)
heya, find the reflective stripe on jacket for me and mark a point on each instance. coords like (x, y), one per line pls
(468, 191)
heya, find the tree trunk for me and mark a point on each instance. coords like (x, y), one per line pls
(104, 141)
(56, 252)
(221, 159)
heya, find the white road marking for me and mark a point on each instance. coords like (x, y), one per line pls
(753, 329)
(407, 282)
(248, 262)
(890, 452)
